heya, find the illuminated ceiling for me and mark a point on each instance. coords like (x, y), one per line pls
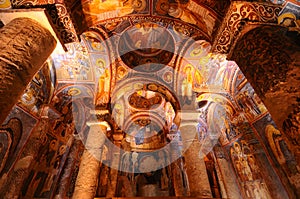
(129, 50)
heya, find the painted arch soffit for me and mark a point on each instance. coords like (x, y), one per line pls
(238, 15)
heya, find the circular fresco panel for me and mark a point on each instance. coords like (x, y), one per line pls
(146, 47)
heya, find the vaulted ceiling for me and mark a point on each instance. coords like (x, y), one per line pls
(144, 67)
(71, 18)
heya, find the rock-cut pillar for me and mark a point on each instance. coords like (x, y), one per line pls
(24, 47)
(195, 165)
(87, 178)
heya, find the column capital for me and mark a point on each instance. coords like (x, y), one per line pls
(189, 116)
(101, 124)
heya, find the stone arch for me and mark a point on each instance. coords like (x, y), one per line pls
(238, 15)
(76, 103)
(132, 85)
(187, 66)
(261, 52)
(99, 47)
(267, 56)
(219, 99)
(218, 117)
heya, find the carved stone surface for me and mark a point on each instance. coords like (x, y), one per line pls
(269, 60)
(195, 165)
(257, 53)
(291, 127)
(86, 182)
(21, 41)
(231, 186)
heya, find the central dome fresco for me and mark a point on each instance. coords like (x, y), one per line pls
(146, 47)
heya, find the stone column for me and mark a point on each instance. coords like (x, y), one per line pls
(111, 190)
(25, 46)
(196, 171)
(226, 176)
(177, 170)
(195, 165)
(221, 181)
(86, 182)
(270, 61)
(68, 169)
